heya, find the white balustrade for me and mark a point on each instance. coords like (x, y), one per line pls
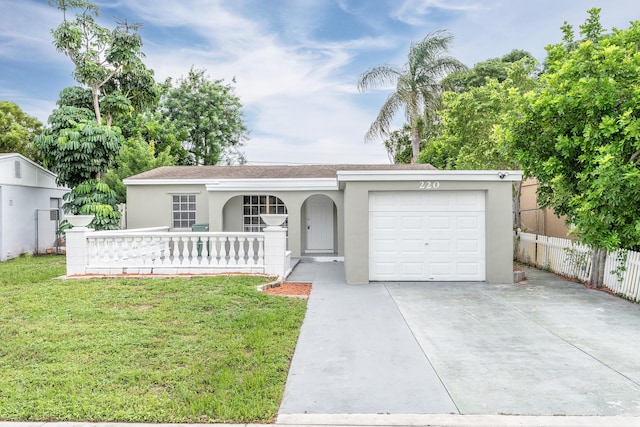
(164, 252)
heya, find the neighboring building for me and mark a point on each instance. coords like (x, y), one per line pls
(536, 220)
(389, 222)
(30, 204)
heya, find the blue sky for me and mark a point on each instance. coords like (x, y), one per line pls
(296, 62)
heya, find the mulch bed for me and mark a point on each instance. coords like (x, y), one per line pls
(290, 289)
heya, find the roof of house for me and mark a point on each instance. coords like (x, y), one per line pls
(265, 172)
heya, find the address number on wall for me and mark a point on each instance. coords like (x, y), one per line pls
(429, 185)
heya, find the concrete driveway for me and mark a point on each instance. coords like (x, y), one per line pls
(547, 347)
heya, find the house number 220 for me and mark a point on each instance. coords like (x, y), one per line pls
(429, 185)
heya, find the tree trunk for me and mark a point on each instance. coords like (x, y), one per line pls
(415, 143)
(598, 259)
(516, 203)
(96, 105)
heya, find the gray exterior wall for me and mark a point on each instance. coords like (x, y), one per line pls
(499, 225)
(150, 206)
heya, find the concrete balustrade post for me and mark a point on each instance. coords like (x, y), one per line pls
(76, 242)
(275, 251)
(277, 260)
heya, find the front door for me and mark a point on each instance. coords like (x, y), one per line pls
(319, 212)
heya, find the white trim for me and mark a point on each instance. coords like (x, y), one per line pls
(332, 184)
(273, 184)
(167, 181)
(253, 185)
(172, 193)
(429, 175)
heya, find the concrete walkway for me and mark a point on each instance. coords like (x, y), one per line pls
(545, 348)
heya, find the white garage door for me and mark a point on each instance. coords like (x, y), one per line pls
(431, 235)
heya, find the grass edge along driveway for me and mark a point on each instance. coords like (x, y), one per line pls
(205, 349)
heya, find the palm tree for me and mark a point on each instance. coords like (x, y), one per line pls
(417, 86)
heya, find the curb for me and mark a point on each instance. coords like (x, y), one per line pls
(455, 420)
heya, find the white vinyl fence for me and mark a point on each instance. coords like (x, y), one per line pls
(564, 257)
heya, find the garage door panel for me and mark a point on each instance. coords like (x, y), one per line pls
(389, 202)
(468, 201)
(381, 248)
(470, 271)
(385, 270)
(438, 201)
(412, 247)
(466, 246)
(439, 223)
(411, 223)
(427, 236)
(413, 269)
(387, 222)
(440, 268)
(441, 247)
(468, 222)
(467, 268)
(378, 203)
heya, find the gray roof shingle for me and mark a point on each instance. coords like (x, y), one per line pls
(265, 172)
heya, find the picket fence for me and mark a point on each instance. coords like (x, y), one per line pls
(564, 257)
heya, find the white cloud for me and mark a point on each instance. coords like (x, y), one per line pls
(301, 104)
(25, 32)
(417, 12)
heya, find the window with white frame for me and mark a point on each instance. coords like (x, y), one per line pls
(184, 210)
(253, 206)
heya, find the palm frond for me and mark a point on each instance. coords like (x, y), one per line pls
(382, 123)
(439, 68)
(381, 75)
(417, 84)
(431, 47)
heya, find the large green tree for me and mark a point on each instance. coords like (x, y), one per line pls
(137, 156)
(493, 68)
(473, 122)
(107, 62)
(152, 127)
(81, 141)
(417, 87)
(208, 115)
(579, 135)
(18, 130)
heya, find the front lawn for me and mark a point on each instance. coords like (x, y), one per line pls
(208, 349)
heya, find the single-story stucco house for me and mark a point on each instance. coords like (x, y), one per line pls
(388, 222)
(30, 202)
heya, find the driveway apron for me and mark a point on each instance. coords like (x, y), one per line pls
(356, 354)
(548, 347)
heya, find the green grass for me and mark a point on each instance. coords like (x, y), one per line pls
(141, 350)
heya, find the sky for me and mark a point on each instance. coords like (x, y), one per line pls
(296, 63)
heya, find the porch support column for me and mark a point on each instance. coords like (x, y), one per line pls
(76, 242)
(277, 260)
